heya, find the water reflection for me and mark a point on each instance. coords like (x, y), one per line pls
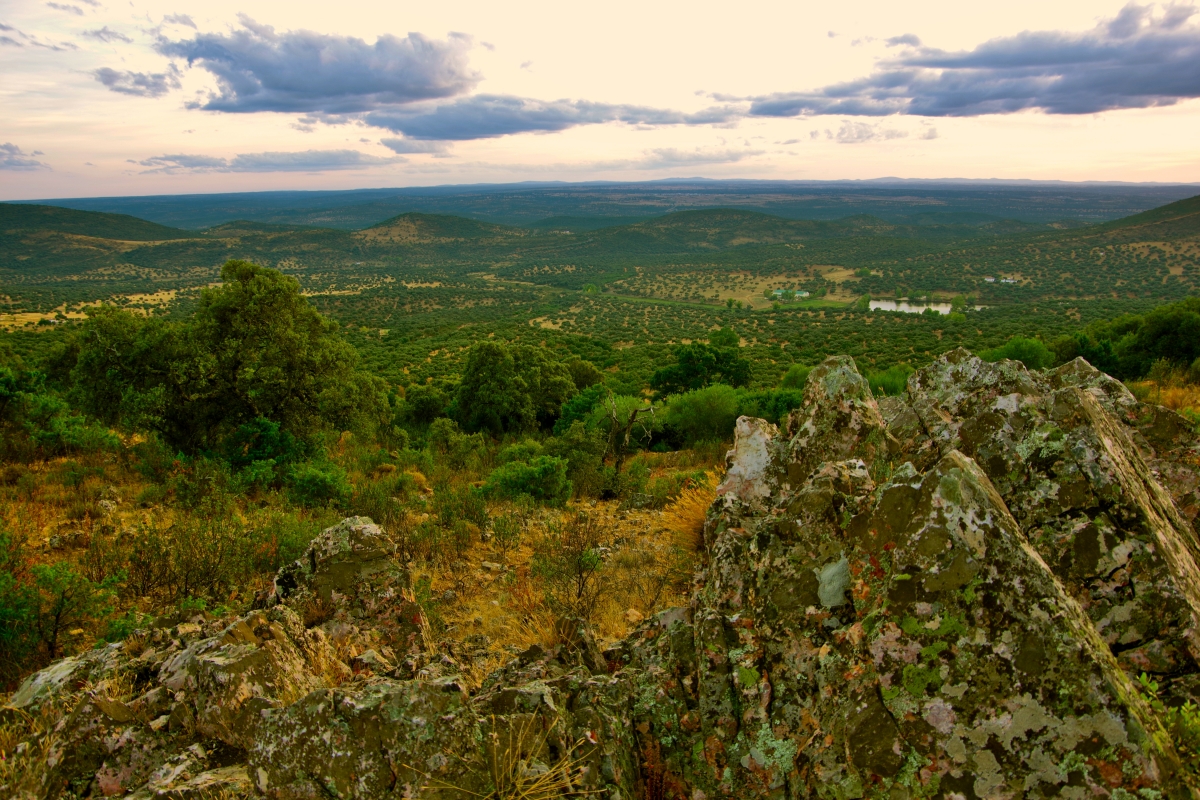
(911, 308)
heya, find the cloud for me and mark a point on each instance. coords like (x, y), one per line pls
(853, 132)
(12, 157)
(910, 39)
(258, 69)
(106, 35)
(406, 146)
(1135, 60)
(485, 116)
(24, 39)
(180, 19)
(76, 10)
(668, 157)
(140, 84)
(304, 161)
(930, 134)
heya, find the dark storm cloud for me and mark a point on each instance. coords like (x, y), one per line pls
(304, 161)
(258, 69)
(141, 84)
(1137, 59)
(486, 116)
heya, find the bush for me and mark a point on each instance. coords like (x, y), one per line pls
(796, 377)
(312, 485)
(703, 415)
(773, 406)
(568, 561)
(506, 533)
(520, 451)
(544, 479)
(583, 450)
(892, 381)
(64, 600)
(578, 408)
(452, 505)
(16, 606)
(1033, 353)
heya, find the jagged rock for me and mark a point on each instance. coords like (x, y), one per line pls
(943, 594)
(1062, 450)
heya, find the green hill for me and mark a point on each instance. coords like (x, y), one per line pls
(22, 218)
(417, 228)
(1176, 220)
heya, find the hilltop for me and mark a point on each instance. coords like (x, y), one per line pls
(21, 219)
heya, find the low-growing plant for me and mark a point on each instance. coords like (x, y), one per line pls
(506, 533)
(568, 561)
(319, 485)
(543, 479)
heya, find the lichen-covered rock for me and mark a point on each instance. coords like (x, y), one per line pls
(885, 626)
(944, 594)
(351, 564)
(1068, 453)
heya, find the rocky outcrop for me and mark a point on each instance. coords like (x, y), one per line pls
(944, 594)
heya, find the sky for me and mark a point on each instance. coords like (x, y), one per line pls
(128, 97)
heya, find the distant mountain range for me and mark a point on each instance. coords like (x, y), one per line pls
(588, 206)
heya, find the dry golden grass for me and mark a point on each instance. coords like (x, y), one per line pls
(1176, 396)
(516, 761)
(685, 517)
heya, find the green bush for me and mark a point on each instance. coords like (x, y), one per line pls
(892, 381)
(773, 406)
(568, 562)
(703, 415)
(1033, 353)
(796, 377)
(464, 503)
(312, 485)
(583, 450)
(544, 479)
(64, 600)
(17, 603)
(520, 451)
(579, 407)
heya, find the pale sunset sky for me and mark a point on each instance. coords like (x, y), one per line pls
(132, 97)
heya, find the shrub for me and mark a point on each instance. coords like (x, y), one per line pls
(568, 561)
(544, 479)
(506, 533)
(64, 600)
(578, 408)
(703, 414)
(583, 450)
(796, 377)
(312, 485)
(891, 381)
(773, 406)
(16, 606)
(520, 451)
(464, 503)
(1033, 353)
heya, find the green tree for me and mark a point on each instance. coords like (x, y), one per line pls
(725, 337)
(517, 389)
(703, 415)
(698, 365)
(254, 349)
(1033, 353)
(65, 600)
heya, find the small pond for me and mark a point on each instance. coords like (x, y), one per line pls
(911, 308)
